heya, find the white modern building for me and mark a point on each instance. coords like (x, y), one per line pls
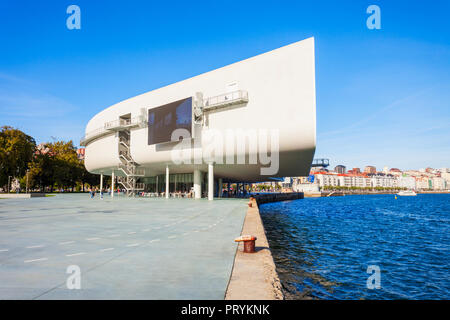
(250, 121)
(407, 182)
(359, 181)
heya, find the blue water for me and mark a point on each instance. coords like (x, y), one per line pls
(322, 247)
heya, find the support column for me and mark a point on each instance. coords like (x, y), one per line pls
(197, 184)
(167, 182)
(220, 187)
(211, 181)
(101, 185)
(112, 184)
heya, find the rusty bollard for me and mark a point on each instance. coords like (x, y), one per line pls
(249, 243)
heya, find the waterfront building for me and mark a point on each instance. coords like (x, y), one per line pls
(359, 181)
(246, 122)
(370, 169)
(305, 187)
(356, 180)
(445, 174)
(384, 180)
(430, 170)
(407, 182)
(354, 171)
(339, 169)
(423, 183)
(328, 179)
(438, 183)
(410, 179)
(287, 182)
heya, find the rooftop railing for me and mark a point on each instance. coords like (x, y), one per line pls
(226, 99)
(123, 123)
(110, 126)
(91, 135)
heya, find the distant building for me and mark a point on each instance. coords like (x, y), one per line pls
(287, 183)
(370, 169)
(351, 180)
(438, 183)
(354, 171)
(407, 182)
(445, 174)
(339, 169)
(80, 153)
(395, 170)
(384, 180)
(42, 149)
(385, 169)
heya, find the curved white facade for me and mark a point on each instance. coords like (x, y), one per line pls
(278, 91)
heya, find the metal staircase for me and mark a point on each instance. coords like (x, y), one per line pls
(128, 166)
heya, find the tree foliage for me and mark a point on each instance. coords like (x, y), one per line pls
(49, 165)
(16, 151)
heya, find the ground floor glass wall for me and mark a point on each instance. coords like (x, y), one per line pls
(179, 182)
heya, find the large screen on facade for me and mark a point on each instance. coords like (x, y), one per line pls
(162, 121)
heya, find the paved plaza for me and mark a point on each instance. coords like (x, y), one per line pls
(125, 248)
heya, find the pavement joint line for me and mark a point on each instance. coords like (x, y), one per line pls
(114, 236)
(171, 237)
(75, 254)
(92, 239)
(146, 230)
(35, 260)
(107, 249)
(4, 250)
(66, 242)
(133, 245)
(37, 246)
(132, 232)
(154, 240)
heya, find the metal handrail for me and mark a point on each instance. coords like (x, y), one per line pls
(137, 186)
(92, 134)
(126, 155)
(226, 98)
(123, 122)
(124, 141)
(131, 170)
(108, 126)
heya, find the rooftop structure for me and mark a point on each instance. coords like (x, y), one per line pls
(370, 169)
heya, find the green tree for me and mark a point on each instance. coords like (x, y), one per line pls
(16, 151)
(41, 168)
(66, 166)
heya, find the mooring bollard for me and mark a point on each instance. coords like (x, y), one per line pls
(249, 243)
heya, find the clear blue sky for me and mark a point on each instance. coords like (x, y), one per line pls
(383, 96)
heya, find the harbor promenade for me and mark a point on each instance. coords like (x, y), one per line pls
(125, 248)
